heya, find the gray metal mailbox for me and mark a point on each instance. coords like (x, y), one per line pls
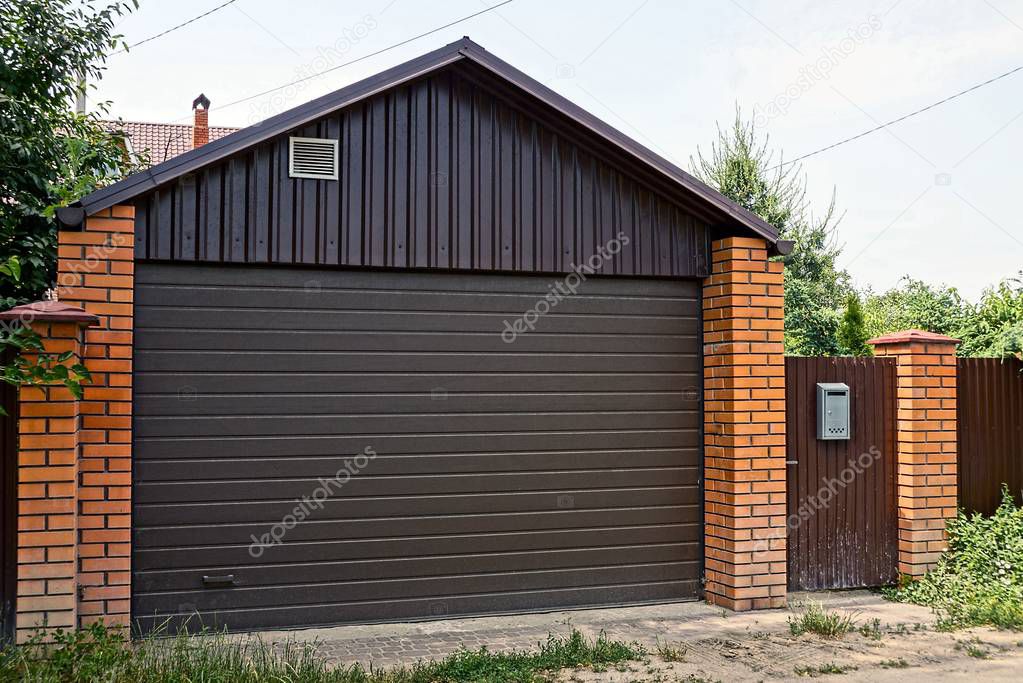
(832, 411)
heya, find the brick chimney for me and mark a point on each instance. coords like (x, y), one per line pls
(201, 127)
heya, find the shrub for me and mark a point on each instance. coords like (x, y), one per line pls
(979, 579)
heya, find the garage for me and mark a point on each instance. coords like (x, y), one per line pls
(439, 343)
(561, 469)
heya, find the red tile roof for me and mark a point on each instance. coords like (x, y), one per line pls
(162, 141)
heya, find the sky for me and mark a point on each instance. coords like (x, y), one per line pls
(934, 197)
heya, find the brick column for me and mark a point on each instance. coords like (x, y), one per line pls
(744, 427)
(96, 271)
(48, 442)
(927, 443)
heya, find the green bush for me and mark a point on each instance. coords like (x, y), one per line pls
(103, 655)
(979, 579)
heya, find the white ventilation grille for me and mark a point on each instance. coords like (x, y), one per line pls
(312, 158)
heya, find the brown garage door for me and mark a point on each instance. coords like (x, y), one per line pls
(561, 469)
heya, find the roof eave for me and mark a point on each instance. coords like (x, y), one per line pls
(598, 127)
(212, 152)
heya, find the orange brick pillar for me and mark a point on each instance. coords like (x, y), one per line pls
(96, 271)
(48, 441)
(744, 427)
(927, 442)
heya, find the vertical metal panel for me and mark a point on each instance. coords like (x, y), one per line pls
(443, 173)
(990, 415)
(8, 506)
(842, 516)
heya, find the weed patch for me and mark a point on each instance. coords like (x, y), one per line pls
(815, 619)
(823, 670)
(671, 653)
(899, 663)
(871, 630)
(979, 579)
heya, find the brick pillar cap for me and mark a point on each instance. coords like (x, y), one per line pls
(912, 336)
(49, 311)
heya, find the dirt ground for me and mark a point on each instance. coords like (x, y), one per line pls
(901, 646)
(711, 644)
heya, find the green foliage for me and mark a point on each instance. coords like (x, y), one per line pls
(992, 328)
(996, 326)
(672, 653)
(815, 619)
(914, 304)
(871, 630)
(824, 669)
(979, 579)
(852, 331)
(899, 663)
(741, 167)
(40, 367)
(737, 168)
(49, 155)
(101, 654)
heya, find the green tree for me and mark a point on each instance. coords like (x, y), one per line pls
(913, 304)
(995, 327)
(740, 166)
(49, 154)
(852, 331)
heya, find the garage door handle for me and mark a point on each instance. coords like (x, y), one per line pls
(218, 581)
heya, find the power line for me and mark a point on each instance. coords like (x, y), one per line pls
(901, 118)
(364, 57)
(175, 28)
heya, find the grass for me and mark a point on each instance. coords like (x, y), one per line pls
(974, 649)
(100, 654)
(823, 670)
(815, 619)
(671, 653)
(978, 581)
(871, 630)
(977, 652)
(899, 663)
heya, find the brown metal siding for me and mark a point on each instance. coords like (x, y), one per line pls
(852, 539)
(562, 469)
(8, 504)
(442, 173)
(990, 414)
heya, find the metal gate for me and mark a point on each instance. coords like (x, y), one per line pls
(842, 516)
(559, 469)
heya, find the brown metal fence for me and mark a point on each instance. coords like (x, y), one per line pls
(841, 494)
(990, 414)
(8, 507)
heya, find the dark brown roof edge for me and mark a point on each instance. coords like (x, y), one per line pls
(604, 130)
(188, 162)
(49, 312)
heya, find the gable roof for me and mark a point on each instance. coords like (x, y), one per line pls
(161, 141)
(464, 49)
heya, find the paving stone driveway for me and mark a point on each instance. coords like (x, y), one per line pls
(719, 645)
(389, 644)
